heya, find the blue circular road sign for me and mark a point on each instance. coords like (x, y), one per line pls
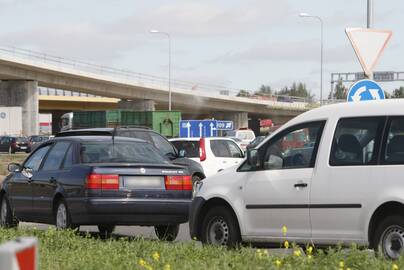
(365, 90)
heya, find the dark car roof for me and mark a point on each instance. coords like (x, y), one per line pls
(85, 138)
(98, 131)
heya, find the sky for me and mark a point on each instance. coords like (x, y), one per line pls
(239, 44)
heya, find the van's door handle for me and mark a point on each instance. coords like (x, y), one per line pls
(52, 180)
(300, 185)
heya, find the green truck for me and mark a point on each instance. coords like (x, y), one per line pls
(164, 122)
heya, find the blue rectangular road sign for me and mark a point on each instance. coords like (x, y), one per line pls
(198, 128)
(224, 125)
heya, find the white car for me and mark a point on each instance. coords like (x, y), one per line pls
(243, 136)
(331, 175)
(214, 153)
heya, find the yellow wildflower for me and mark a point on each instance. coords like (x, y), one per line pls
(286, 244)
(341, 264)
(278, 263)
(394, 267)
(284, 230)
(297, 252)
(310, 250)
(311, 257)
(167, 267)
(348, 268)
(265, 252)
(156, 256)
(142, 262)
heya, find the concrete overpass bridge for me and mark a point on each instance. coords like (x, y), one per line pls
(22, 71)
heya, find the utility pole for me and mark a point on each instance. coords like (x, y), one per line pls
(369, 23)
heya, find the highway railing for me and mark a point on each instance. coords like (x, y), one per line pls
(140, 79)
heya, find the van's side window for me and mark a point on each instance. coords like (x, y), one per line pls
(394, 150)
(295, 148)
(356, 141)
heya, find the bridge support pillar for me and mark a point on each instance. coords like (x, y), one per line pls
(240, 119)
(137, 105)
(22, 94)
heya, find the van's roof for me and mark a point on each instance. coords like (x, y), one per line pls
(353, 109)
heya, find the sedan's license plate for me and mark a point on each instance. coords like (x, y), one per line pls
(143, 182)
(23, 147)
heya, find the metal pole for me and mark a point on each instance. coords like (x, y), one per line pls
(321, 75)
(169, 72)
(369, 22)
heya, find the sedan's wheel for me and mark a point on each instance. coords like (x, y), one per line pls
(167, 232)
(106, 230)
(7, 219)
(196, 178)
(63, 220)
(389, 237)
(220, 227)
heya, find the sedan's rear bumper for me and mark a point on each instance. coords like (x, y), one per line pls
(130, 211)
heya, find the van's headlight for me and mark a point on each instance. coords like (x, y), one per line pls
(197, 186)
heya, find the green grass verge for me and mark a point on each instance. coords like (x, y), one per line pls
(70, 250)
(5, 159)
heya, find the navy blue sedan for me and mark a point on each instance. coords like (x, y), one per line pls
(97, 180)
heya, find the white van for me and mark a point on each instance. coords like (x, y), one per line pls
(245, 135)
(331, 175)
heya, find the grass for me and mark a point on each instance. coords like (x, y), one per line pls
(5, 159)
(70, 250)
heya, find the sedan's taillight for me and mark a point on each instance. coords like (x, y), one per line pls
(178, 182)
(103, 181)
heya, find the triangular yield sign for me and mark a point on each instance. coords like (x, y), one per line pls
(368, 45)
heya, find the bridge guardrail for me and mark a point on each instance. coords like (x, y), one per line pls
(142, 79)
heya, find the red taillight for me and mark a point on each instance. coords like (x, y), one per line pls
(202, 150)
(103, 181)
(178, 182)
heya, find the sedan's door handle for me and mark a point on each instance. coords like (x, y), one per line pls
(300, 185)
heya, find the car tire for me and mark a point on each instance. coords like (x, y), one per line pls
(62, 216)
(220, 227)
(106, 230)
(196, 178)
(388, 238)
(7, 218)
(167, 232)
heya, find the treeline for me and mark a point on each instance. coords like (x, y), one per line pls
(295, 90)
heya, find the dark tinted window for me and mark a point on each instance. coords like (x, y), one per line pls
(54, 159)
(394, 150)
(135, 134)
(191, 148)
(162, 144)
(295, 148)
(225, 148)
(68, 163)
(122, 152)
(356, 141)
(34, 161)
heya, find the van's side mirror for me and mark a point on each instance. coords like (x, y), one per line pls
(253, 157)
(182, 153)
(14, 167)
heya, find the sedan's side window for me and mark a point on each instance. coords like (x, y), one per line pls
(394, 149)
(54, 159)
(295, 148)
(356, 141)
(35, 160)
(68, 162)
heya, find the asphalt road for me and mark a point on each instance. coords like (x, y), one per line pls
(146, 232)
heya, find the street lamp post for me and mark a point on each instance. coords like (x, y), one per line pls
(305, 15)
(169, 63)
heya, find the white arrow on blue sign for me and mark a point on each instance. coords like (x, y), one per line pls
(197, 128)
(365, 90)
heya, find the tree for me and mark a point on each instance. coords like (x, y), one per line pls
(243, 93)
(398, 93)
(296, 90)
(264, 90)
(340, 91)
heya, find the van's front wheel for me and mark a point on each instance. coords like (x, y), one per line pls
(389, 237)
(220, 227)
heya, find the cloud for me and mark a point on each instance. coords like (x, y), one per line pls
(288, 51)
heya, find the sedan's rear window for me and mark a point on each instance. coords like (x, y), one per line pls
(120, 152)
